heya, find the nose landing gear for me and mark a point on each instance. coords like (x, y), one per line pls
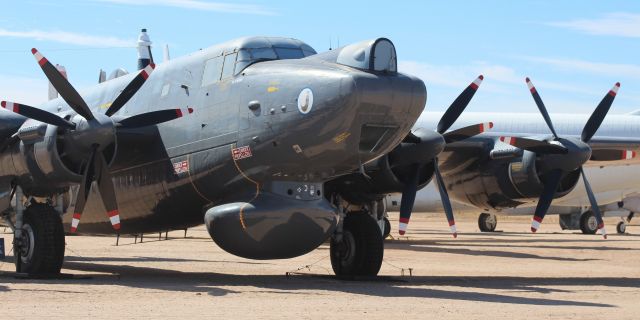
(360, 249)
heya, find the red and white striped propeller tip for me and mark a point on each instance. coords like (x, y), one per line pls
(626, 154)
(477, 82)
(614, 90)
(39, 57)
(114, 218)
(535, 224)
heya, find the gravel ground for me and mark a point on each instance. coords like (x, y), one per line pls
(510, 274)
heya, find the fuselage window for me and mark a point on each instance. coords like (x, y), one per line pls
(212, 71)
(229, 65)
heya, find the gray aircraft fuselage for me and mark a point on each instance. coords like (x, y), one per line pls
(248, 137)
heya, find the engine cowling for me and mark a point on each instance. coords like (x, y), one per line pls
(505, 184)
(39, 161)
(380, 178)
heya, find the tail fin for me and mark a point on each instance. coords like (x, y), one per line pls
(52, 91)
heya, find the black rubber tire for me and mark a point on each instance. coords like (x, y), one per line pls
(484, 225)
(48, 246)
(621, 227)
(387, 228)
(362, 236)
(584, 223)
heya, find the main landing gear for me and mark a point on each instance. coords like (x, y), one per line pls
(38, 242)
(588, 223)
(487, 222)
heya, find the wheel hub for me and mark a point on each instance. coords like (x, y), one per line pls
(347, 248)
(26, 243)
(592, 223)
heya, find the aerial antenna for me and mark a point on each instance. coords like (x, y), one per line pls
(338, 42)
(329, 43)
(166, 53)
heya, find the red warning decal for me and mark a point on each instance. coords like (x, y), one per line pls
(181, 167)
(241, 153)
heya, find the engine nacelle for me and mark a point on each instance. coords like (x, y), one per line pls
(36, 161)
(505, 184)
(381, 179)
(272, 226)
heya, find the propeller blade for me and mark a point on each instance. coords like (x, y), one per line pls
(154, 117)
(130, 89)
(537, 146)
(107, 190)
(444, 195)
(458, 105)
(551, 185)
(467, 132)
(62, 85)
(37, 114)
(541, 107)
(594, 204)
(83, 191)
(612, 155)
(598, 115)
(408, 199)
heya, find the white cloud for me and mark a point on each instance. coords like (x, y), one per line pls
(198, 5)
(29, 91)
(69, 38)
(460, 76)
(612, 24)
(617, 70)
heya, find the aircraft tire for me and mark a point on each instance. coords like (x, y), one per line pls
(44, 236)
(361, 250)
(621, 227)
(487, 222)
(387, 228)
(588, 223)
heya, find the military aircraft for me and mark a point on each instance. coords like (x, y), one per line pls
(519, 168)
(258, 137)
(614, 186)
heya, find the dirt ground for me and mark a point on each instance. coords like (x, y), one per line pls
(510, 274)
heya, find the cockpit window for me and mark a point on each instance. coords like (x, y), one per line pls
(229, 64)
(262, 53)
(289, 53)
(212, 71)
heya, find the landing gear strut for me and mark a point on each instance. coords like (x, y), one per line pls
(38, 240)
(487, 222)
(360, 250)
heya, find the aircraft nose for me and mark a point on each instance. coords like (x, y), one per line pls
(388, 106)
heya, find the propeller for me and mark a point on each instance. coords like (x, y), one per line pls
(88, 134)
(423, 146)
(561, 156)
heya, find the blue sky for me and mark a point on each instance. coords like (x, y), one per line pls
(574, 51)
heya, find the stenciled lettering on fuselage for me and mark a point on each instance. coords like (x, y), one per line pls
(241, 153)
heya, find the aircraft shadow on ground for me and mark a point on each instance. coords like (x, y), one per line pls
(436, 248)
(211, 283)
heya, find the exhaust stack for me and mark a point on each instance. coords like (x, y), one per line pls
(144, 50)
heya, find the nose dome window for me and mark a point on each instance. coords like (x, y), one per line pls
(375, 55)
(384, 56)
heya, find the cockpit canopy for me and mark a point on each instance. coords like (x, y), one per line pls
(234, 56)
